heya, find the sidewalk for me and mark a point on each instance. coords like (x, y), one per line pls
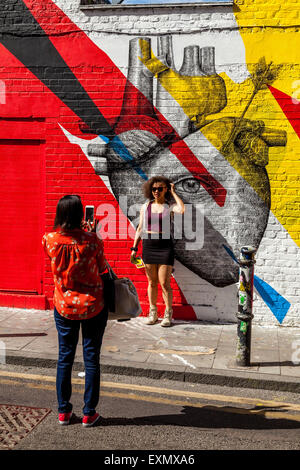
(187, 351)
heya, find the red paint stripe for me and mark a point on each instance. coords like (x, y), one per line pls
(107, 93)
(188, 159)
(289, 106)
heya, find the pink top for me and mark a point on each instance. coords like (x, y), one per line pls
(154, 220)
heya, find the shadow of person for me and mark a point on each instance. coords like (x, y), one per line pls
(216, 417)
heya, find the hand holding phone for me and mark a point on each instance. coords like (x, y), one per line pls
(89, 213)
(89, 221)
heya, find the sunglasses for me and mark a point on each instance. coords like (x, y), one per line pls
(160, 189)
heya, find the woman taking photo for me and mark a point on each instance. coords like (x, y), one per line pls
(158, 251)
(77, 259)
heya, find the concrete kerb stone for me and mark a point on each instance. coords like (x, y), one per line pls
(228, 378)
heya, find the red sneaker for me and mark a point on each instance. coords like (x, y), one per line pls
(88, 421)
(64, 418)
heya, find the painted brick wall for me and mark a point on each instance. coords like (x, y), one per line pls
(95, 47)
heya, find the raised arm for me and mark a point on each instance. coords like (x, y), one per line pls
(179, 205)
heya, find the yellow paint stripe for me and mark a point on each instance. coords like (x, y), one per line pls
(167, 401)
(21, 375)
(163, 391)
(203, 396)
(284, 164)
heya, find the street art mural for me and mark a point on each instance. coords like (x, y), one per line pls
(233, 152)
(170, 118)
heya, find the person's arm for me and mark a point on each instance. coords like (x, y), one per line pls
(179, 206)
(138, 234)
(100, 258)
(44, 245)
(101, 261)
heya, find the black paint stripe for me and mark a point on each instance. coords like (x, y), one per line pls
(29, 43)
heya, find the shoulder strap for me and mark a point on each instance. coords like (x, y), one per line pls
(145, 215)
(111, 272)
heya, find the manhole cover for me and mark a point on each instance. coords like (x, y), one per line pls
(16, 422)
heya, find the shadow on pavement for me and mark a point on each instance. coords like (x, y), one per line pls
(213, 417)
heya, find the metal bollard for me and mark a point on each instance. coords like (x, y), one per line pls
(244, 315)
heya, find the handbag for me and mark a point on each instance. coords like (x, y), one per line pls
(120, 296)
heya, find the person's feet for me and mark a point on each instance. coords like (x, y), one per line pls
(152, 317)
(64, 418)
(88, 421)
(167, 320)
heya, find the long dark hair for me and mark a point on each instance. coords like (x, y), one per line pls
(69, 213)
(147, 187)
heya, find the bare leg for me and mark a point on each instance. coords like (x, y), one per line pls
(152, 276)
(164, 277)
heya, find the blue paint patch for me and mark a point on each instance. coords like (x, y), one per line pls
(104, 138)
(117, 145)
(278, 305)
(230, 253)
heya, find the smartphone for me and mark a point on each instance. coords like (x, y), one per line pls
(89, 213)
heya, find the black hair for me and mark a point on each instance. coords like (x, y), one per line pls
(69, 213)
(147, 187)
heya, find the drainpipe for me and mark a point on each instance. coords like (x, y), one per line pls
(244, 315)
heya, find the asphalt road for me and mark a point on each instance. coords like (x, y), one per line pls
(139, 413)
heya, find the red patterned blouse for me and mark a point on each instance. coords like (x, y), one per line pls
(77, 259)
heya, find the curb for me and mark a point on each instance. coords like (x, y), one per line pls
(227, 378)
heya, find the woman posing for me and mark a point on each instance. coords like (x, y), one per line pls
(158, 251)
(77, 259)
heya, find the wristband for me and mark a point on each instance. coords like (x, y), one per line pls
(133, 248)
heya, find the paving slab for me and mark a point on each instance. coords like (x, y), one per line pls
(194, 351)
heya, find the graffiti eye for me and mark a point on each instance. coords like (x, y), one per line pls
(188, 185)
(192, 190)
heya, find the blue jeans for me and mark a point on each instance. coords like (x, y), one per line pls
(68, 334)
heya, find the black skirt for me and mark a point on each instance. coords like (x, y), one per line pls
(158, 251)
